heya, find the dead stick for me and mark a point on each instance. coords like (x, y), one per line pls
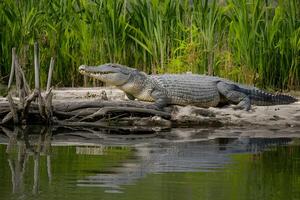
(105, 110)
(20, 83)
(37, 80)
(50, 74)
(48, 105)
(49, 95)
(28, 101)
(12, 69)
(24, 82)
(13, 110)
(7, 118)
(41, 104)
(36, 66)
(81, 113)
(17, 75)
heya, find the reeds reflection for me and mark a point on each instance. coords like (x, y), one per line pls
(20, 148)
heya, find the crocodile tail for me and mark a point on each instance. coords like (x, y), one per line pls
(262, 98)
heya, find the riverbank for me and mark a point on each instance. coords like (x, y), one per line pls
(272, 116)
(108, 107)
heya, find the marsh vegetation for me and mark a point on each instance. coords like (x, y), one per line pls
(255, 42)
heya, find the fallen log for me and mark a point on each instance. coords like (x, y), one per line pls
(87, 111)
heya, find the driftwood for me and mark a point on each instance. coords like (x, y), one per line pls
(81, 111)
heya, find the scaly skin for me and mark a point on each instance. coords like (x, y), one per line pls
(182, 89)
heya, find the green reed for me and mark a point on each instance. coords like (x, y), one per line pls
(256, 42)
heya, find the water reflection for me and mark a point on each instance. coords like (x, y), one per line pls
(39, 159)
(19, 149)
(198, 156)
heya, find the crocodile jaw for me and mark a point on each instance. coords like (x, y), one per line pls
(105, 73)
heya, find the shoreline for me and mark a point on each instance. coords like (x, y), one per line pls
(275, 117)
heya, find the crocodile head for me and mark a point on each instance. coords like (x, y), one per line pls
(113, 74)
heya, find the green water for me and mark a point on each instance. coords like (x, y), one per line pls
(52, 167)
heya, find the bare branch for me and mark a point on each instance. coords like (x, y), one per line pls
(50, 74)
(36, 66)
(12, 69)
(104, 111)
(13, 109)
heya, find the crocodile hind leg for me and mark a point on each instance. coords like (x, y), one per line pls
(231, 93)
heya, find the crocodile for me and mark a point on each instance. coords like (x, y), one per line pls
(182, 89)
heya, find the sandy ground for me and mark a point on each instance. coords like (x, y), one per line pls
(271, 116)
(281, 121)
(276, 116)
(88, 93)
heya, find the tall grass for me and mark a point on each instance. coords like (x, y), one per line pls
(256, 42)
(264, 38)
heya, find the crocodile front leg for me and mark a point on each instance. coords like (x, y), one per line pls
(130, 96)
(161, 100)
(232, 93)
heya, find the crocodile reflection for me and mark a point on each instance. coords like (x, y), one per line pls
(162, 156)
(205, 156)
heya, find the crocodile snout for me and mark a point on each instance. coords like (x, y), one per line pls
(82, 68)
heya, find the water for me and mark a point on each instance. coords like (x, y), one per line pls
(175, 165)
